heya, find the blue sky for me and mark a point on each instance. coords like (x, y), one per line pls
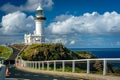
(76, 23)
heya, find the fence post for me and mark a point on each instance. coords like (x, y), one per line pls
(63, 66)
(30, 64)
(54, 66)
(47, 65)
(73, 66)
(42, 65)
(35, 65)
(104, 67)
(25, 64)
(88, 66)
(39, 65)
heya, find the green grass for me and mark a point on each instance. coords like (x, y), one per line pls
(5, 52)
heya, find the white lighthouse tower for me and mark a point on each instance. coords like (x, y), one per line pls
(38, 35)
(39, 22)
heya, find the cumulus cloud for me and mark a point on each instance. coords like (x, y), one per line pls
(89, 29)
(72, 42)
(88, 23)
(62, 17)
(16, 22)
(59, 40)
(30, 5)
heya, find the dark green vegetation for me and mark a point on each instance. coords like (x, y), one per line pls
(85, 54)
(42, 52)
(5, 52)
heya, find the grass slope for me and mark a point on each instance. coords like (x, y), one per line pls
(5, 52)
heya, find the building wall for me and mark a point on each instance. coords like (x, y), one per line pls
(31, 39)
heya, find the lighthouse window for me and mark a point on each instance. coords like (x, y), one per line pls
(40, 12)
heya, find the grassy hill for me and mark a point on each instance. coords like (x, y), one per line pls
(41, 52)
(5, 52)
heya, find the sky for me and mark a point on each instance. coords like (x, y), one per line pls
(75, 23)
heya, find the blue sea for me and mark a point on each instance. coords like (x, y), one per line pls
(101, 52)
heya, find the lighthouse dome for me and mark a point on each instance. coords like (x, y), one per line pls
(39, 8)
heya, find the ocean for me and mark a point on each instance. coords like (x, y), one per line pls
(101, 52)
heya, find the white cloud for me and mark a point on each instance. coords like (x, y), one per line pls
(30, 5)
(9, 8)
(72, 42)
(60, 40)
(62, 17)
(17, 22)
(92, 23)
(87, 30)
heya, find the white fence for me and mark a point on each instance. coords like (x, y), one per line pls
(2, 72)
(41, 64)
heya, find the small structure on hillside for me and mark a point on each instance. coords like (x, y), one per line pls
(38, 34)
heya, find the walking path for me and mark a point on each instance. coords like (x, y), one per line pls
(23, 75)
(15, 53)
(72, 75)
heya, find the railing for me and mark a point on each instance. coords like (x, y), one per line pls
(41, 65)
(2, 72)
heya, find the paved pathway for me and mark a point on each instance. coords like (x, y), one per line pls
(21, 75)
(11, 59)
(15, 53)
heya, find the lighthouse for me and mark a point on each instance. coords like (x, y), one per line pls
(38, 35)
(39, 24)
